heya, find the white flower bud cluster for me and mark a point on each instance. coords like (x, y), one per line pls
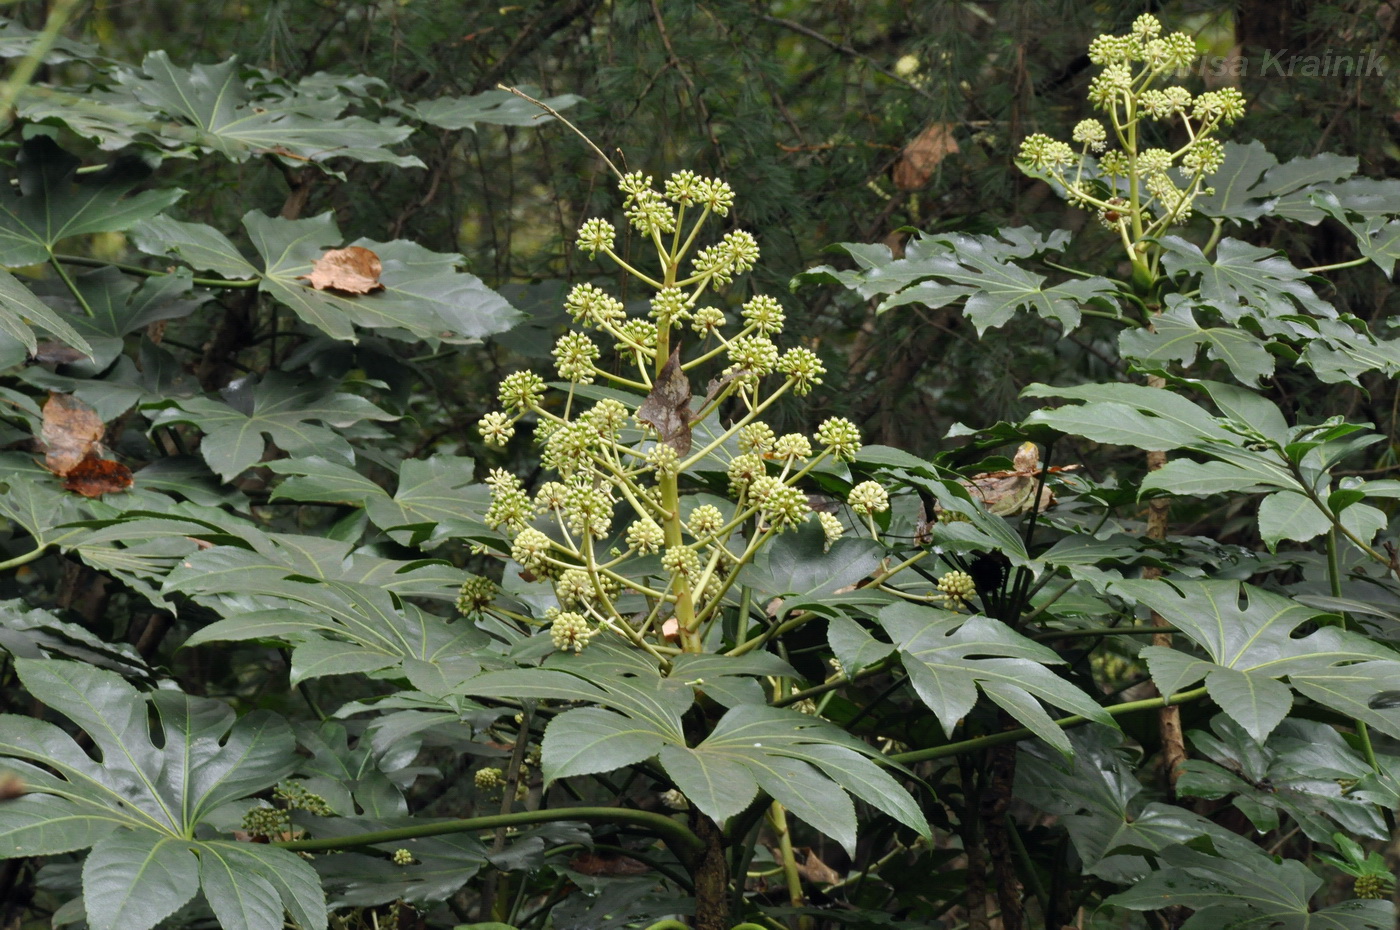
(957, 587)
(1145, 196)
(613, 494)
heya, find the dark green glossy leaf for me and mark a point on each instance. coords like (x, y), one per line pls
(496, 107)
(20, 310)
(1248, 633)
(132, 880)
(279, 407)
(951, 656)
(49, 205)
(1176, 336)
(215, 111)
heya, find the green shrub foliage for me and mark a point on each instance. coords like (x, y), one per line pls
(655, 639)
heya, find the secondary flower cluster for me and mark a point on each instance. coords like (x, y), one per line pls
(1136, 189)
(611, 530)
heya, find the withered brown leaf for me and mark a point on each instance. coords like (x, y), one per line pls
(351, 270)
(71, 435)
(667, 407)
(93, 477)
(922, 155)
(71, 432)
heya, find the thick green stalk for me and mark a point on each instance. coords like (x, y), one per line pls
(1334, 582)
(685, 844)
(1011, 736)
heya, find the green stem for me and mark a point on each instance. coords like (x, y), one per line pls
(1105, 631)
(72, 288)
(675, 834)
(151, 272)
(1012, 736)
(1334, 581)
(24, 71)
(25, 559)
(777, 819)
(1351, 264)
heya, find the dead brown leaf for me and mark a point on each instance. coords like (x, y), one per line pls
(71, 437)
(93, 477)
(667, 407)
(49, 352)
(71, 432)
(351, 270)
(921, 156)
(813, 869)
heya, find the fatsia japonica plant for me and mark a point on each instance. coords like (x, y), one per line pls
(278, 656)
(1291, 640)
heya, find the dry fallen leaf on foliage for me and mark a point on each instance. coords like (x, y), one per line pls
(667, 407)
(813, 869)
(72, 441)
(71, 432)
(1003, 493)
(1008, 493)
(351, 270)
(921, 156)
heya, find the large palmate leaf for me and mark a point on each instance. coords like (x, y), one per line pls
(336, 626)
(109, 305)
(1298, 771)
(21, 311)
(1377, 237)
(1243, 279)
(1243, 889)
(278, 406)
(31, 633)
(950, 656)
(937, 270)
(36, 503)
(1249, 635)
(799, 568)
(1177, 336)
(1252, 447)
(1100, 801)
(1251, 184)
(49, 203)
(215, 110)
(140, 806)
(423, 295)
(802, 761)
(440, 491)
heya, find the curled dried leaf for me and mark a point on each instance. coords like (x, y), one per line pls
(351, 270)
(93, 477)
(71, 432)
(667, 407)
(924, 154)
(71, 436)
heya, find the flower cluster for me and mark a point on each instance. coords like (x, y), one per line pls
(1148, 189)
(611, 516)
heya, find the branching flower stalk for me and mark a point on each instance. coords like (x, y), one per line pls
(1141, 191)
(1136, 190)
(625, 550)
